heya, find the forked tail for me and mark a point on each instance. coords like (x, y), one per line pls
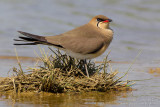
(31, 39)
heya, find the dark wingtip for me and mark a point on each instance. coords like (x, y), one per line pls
(21, 32)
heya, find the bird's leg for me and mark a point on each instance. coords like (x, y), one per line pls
(81, 63)
(85, 64)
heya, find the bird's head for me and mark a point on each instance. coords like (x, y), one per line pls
(101, 21)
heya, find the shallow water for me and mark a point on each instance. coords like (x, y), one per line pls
(64, 100)
(135, 23)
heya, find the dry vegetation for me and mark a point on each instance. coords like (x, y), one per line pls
(61, 73)
(155, 71)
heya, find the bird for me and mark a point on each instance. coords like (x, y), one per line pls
(84, 42)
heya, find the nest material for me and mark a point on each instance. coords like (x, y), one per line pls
(61, 73)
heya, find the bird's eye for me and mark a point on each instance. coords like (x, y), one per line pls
(100, 20)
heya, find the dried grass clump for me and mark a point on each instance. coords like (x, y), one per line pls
(61, 73)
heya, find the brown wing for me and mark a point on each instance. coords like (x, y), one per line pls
(80, 40)
(82, 45)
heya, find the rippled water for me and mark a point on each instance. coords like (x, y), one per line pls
(136, 26)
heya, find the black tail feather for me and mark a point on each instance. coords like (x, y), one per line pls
(18, 40)
(27, 39)
(35, 37)
(34, 43)
(33, 40)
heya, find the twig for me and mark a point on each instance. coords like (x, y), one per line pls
(19, 62)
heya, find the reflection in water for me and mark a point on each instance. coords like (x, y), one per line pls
(64, 99)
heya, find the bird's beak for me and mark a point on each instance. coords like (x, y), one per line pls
(108, 20)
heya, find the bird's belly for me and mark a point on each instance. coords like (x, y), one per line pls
(86, 56)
